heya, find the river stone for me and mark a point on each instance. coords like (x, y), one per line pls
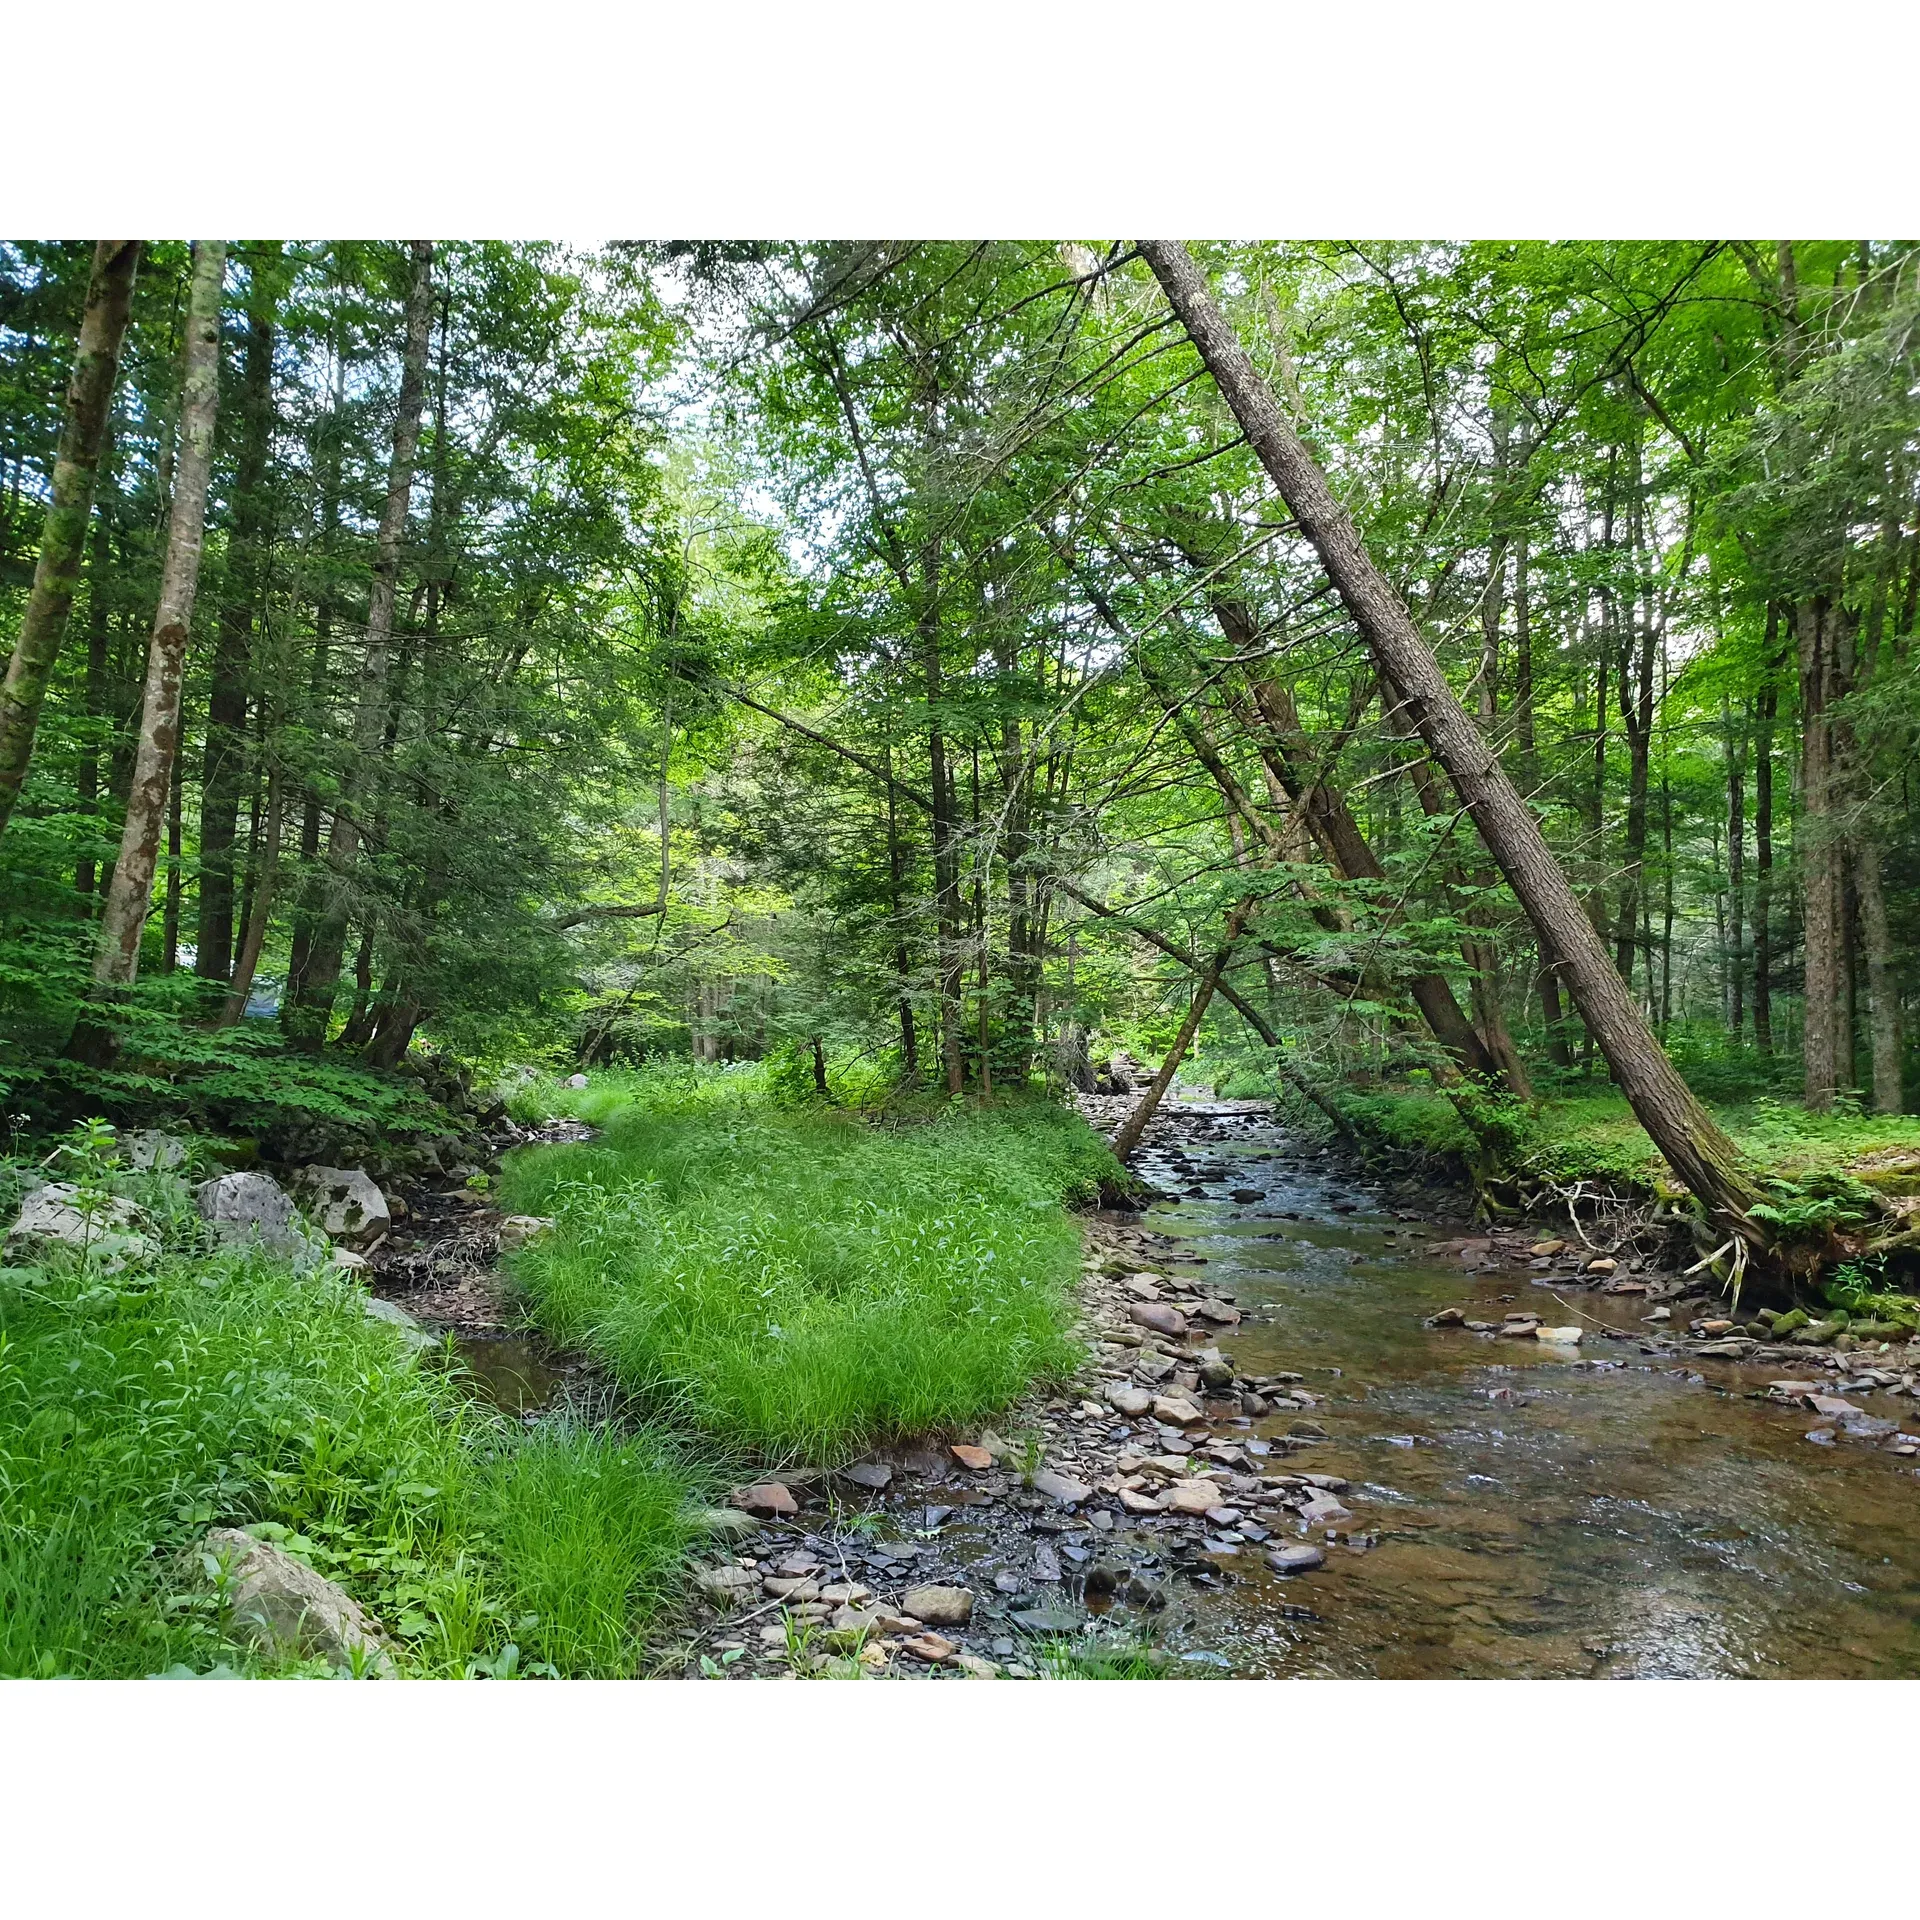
(1132, 1401)
(1158, 1317)
(933, 1648)
(518, 1228)
(288, 1610)
(1193, 1496)
(727, 1584)
(251, 1207)
(576, 1081)
(768, 1500)
(415, 1335)
(1558, 1336)
(977, 1459)
(1047, 1620)
(939, 1606)
(348, 1261)
(344, 1202)
(103, 1226)
(874, 1475)
(1297, 1558)
(1176, 1410)
(1324, 1510)
(1058, 1487)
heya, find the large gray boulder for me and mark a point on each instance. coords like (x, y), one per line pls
(344, 1202)
(287, 1610)
(156, 1152)
(102, 1226)
(242, 1207)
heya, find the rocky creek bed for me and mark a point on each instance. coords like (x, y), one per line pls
(1320, 1433)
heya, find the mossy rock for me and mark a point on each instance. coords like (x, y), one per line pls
(1819, 1333)
(1786, 1323)
(1902, 1178)
(1878, 1330)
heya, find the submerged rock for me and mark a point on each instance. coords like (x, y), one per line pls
(287, 1610)
(101, 1226)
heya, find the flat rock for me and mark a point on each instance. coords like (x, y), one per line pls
(1158, 1317)
(1558, 1336)
(730, 1584)
(1047, 1620)
(1546, 1249)
(874, 1475)
(930, 1647)
(1131, 1401)
(102, 1226)
(1296, 1558)
(1177, 1411)
(1192, 1496)
(769, 1499)
(1448, 1317)
(1060, 1488)
(939, 1606)
(283, 1607)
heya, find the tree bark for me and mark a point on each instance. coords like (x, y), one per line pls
(130, 892)
(96, 362)
(308, 1025)
(1883, 985)
(1763, 856)
(222, 768)
(1825, 1053)
(1694, 1145)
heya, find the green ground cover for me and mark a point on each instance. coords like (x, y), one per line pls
(799, 1282)
(139, 1408)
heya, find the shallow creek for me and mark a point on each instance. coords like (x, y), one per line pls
(1605, 1515)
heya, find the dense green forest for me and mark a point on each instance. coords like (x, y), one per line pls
(715, 649)
(844, 697)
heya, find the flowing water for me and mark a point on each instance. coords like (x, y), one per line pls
(1605, 1515)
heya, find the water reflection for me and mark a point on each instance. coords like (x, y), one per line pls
(1534, 1513)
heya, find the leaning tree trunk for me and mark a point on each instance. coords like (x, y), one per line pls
(130, 892)
(1695, 1147)
(308, 1021)
(96, 362)
(1135, 1124)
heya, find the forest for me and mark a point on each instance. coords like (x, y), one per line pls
(820, 753)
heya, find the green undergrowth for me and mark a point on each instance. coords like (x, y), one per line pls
(140, 1408)
(799, 1282)
(1594, 1136)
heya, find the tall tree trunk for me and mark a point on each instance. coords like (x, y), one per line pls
(170, 892)
(1825, 1055)
(946, 856)
(1694, 1145)
(224, 764)
(1763, 855)
(1883, 984)
(1736, 874)
(902, 955)
(130, 892)
(83, 426)
(308, 1025)
(87, 779)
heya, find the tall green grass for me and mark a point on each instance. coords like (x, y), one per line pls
(801, 1282)
(139, 1409)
